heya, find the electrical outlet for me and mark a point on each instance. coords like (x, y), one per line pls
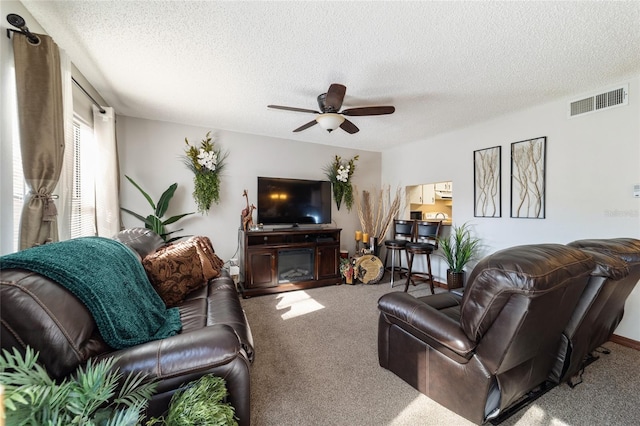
(234, 271)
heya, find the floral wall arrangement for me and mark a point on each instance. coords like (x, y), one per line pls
(206, 162)
(339, 173)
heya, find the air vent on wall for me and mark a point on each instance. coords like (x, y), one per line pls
(608, 99)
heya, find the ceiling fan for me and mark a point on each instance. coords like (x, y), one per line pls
(330, 117)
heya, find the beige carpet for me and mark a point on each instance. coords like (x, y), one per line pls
(316, 364)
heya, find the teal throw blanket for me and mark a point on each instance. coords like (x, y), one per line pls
(110, 280)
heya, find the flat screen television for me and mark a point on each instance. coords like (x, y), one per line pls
(293, 201)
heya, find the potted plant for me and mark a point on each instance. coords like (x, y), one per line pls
(458, 249)
(154, 221)
(346, 270)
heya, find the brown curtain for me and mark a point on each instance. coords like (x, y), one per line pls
(39, 91)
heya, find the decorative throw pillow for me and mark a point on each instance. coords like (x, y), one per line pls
(177, 269)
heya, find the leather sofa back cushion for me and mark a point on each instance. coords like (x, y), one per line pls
(175, 270)
(527, 269)
(626, 249)
(141, 240)
(38, 312)
(607, 266)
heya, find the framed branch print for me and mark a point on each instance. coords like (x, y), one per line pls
(487, 189)
(528, 166)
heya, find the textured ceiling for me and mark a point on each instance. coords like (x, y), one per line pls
(443, 65)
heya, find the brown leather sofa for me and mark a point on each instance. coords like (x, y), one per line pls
(215, 337)
(480, 353)
(601, 306)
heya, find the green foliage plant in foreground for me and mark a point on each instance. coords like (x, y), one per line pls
(91, 396)
(96, 395)
(200, 403)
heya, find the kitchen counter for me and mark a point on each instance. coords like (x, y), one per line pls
(446, 221)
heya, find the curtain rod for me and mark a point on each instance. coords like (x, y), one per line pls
(18, 22)
(102, 110)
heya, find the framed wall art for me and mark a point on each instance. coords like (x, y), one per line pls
(528, 167)
(487, 177)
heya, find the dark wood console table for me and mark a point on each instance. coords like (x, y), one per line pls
(289, 259)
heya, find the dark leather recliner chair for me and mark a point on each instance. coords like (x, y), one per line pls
(478, 354)
(601, 306)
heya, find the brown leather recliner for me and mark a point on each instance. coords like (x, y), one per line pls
(478, 354)
(215, 337)
(601, 306)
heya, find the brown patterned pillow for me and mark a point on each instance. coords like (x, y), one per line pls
(176, 270)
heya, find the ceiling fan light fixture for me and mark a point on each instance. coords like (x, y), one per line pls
(329, 115)
(330, 121)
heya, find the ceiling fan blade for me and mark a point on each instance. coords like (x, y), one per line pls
(293, 109)
(335, 96)
(349, 127)
(374, 110)
(306, 126)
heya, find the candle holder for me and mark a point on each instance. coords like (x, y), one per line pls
(358, 238)
(365, 241)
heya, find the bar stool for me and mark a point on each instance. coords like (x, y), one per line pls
(425, 242)
(403, 232)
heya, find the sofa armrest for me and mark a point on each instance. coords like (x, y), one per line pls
(458, 291)
(181, 354)
(178, 360)
(427, 324)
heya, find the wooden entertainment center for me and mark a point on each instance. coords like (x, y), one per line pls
(273, 261)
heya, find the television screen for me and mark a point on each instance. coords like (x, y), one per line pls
(293, 201)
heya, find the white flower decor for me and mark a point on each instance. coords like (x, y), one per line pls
(343, 173)
(206, 162)
(208, 159)
(339, 173)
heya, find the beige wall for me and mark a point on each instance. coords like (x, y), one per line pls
(151, 151)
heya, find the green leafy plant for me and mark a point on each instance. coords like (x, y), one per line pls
(154, 221)
(206, 162)
(91, 396)
(200, 403)
(339, 173)
(459, 247)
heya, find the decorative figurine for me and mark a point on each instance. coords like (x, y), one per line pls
(247, 213)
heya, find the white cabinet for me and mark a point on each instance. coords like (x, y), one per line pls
(414, 194)
(428, 194)
(444, 186)
(421, 194)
